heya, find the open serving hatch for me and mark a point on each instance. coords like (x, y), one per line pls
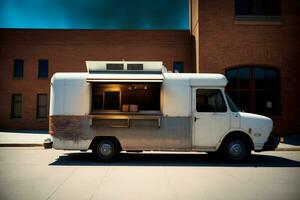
(125, 94)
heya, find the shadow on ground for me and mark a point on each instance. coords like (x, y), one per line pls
(176, 160)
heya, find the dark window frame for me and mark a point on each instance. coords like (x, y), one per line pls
(41, 70)
(38, 106)
(13, 102)
(251, 16)
(215, 111)
(15, 68)
(178, 62)
(264, 8)
(252, 90)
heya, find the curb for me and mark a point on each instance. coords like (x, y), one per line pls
(21, 145)
(288, 149)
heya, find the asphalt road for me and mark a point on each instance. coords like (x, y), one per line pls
(35, 173)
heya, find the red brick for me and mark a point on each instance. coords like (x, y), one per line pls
(224, 44)
(67, 51)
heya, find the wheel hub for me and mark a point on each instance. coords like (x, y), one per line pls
(235, 149)
(106, 149)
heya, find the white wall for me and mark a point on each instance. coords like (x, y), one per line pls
(70, 94)
(176, 100)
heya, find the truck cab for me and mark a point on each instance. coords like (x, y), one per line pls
(217, 124)
(222, 127)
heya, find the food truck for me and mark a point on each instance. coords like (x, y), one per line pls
(140, 106)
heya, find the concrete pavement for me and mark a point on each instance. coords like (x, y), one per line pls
(35, 173)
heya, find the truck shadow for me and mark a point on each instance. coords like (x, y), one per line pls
(176, 160)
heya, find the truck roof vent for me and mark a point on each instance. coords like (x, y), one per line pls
(125, 67)
(114, 66)
(135, 66)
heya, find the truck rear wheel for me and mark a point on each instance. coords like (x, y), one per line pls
(236, 150)
(105, 150)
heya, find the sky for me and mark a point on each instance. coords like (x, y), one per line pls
(95, 14)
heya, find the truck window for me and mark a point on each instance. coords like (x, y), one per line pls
(210, 100)
(232, 105)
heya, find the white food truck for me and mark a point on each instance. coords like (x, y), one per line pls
(139, 106)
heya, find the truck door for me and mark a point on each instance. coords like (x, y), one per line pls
(211, 118)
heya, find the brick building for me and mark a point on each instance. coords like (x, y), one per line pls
(28, 58)
(253, 42)
(256, 45)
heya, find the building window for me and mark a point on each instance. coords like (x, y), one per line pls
(41, 111)
(257, 10)
(16, 106)
(255, 89)
(178, 67)
(18, 68)
(210, 100)
(43, 68)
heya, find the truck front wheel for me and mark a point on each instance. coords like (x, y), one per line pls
(236, 150)
(105, 150)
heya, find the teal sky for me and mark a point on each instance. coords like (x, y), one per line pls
(95, 14)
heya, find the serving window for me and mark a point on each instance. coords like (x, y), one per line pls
(125, 97)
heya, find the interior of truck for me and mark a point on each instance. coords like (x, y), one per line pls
(126, 97)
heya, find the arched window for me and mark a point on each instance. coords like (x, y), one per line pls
(255, 89)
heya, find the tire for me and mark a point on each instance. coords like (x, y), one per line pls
(236, 150)
(105, 150)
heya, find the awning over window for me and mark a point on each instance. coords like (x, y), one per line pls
(125, 78)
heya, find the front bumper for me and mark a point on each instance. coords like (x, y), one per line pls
(271, 144)
(48, 143)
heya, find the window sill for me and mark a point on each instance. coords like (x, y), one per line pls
(16, 119)
(16, 78)
(40, 78)
(258, 20)
(42, 119)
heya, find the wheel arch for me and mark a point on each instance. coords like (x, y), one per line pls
(237, 134)
(112, 138)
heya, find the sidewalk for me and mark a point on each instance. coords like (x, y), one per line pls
(291, 143)
(23, 138)
(36, 138)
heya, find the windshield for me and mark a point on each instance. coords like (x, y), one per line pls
(232, 105)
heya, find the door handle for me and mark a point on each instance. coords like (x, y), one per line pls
(195, 119)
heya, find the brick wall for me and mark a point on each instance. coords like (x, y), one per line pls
(225, 44)
(67, 51)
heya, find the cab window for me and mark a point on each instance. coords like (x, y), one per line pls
(210, 100)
